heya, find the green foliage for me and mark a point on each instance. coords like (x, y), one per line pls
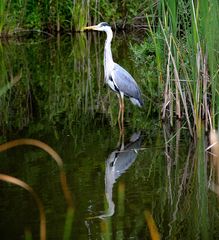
(57, 15)
(33, 20)
(123, 12)
(144, 52)
(145, 58)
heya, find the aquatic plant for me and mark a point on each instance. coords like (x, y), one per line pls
(191, 61)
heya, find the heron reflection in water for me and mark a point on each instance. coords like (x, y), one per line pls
(116, 164)
(118, 79)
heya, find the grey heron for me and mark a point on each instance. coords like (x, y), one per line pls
(118, 79)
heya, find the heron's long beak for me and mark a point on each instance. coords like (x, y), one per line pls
(94, 27)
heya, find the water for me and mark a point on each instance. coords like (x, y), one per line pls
(57, 95)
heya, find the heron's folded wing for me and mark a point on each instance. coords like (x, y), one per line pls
(125, 82)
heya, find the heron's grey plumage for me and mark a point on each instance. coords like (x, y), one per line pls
(118, 79)
(116, 76)
(126, 84)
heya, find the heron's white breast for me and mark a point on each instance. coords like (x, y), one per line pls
(111, 84)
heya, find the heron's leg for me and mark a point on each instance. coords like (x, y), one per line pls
(119, 115)
(123, 108)
(120, 143)
(122, 147)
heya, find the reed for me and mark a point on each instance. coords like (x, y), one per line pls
(191, 62)
(2, 14)
(79, 15)
(7, 21)
(5, 17)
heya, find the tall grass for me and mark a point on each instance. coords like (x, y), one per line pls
(191, 61)
(79, 15)
(190, 46)
(4, 16)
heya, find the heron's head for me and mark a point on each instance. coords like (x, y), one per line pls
(103, 26)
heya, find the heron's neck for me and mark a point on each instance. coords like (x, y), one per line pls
(108, 59)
